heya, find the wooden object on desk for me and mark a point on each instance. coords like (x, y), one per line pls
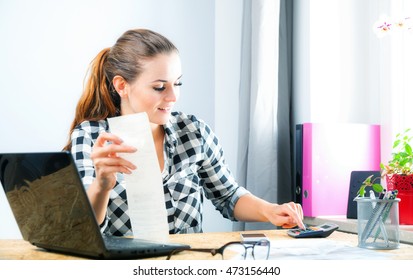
(22, 250)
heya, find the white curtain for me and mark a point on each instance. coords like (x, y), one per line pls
(396, 73)
(346, 73)
(258, 131)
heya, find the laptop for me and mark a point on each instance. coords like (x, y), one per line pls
(52, 210)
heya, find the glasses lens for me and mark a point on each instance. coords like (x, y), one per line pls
(234, 252)
(261, 251)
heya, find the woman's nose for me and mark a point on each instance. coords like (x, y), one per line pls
(172, 94)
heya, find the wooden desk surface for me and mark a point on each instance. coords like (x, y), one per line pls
(22, 250)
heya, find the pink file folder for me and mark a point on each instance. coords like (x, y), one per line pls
(330, 153)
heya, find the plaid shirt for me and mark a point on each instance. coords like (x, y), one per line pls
(194, 167)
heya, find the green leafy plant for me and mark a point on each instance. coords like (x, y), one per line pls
(370, 182)
(401, 163)
(402, 156)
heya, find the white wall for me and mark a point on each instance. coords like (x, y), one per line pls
(47, 46)
(228, 22)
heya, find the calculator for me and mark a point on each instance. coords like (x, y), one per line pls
(323, 230)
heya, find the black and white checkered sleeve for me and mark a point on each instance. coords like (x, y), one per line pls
(83, 137)
(220, 185)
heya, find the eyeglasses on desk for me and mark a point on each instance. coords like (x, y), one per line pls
(235, 250)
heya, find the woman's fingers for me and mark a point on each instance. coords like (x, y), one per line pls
(112, 150)
(107, 137)
(114, 164)
(106, 159)
(295, 212)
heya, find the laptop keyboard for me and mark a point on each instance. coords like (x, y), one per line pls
(122, 242)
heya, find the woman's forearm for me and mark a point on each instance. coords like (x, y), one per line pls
(250, 208)
(99, 200)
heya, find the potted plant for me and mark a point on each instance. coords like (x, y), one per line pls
(398, 173)
(402, 160)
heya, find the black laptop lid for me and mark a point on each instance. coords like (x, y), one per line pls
(50, 208)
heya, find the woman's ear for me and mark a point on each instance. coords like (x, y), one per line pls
(120, 85)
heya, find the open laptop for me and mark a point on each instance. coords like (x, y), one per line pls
(52, 210)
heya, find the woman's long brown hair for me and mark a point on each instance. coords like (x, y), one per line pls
(99, 99)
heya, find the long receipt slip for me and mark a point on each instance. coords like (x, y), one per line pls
(144, 187)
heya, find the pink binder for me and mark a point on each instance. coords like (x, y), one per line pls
(330, 153)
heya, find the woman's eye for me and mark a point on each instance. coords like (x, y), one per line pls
(159, 88)
(163, 87)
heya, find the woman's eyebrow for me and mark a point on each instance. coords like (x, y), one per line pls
(160, 80)
(164, 81)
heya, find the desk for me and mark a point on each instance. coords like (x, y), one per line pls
(22, 250)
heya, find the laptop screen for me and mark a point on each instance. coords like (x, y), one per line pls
(48, 201)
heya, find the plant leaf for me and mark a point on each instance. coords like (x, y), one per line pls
(408, 148)
(367, 181)
(377, 188)
(396, 143)
(362, 190)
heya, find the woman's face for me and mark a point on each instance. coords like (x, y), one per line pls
(156, 90)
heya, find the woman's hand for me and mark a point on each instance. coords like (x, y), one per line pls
(107, 162)
(287, 215)
(250, 208)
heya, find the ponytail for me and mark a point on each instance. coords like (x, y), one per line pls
(99, 100)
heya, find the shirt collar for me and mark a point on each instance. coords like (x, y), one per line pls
(171, 139)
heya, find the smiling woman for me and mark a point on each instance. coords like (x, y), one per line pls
(141, 72)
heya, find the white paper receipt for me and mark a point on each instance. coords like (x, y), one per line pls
(144, 188)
